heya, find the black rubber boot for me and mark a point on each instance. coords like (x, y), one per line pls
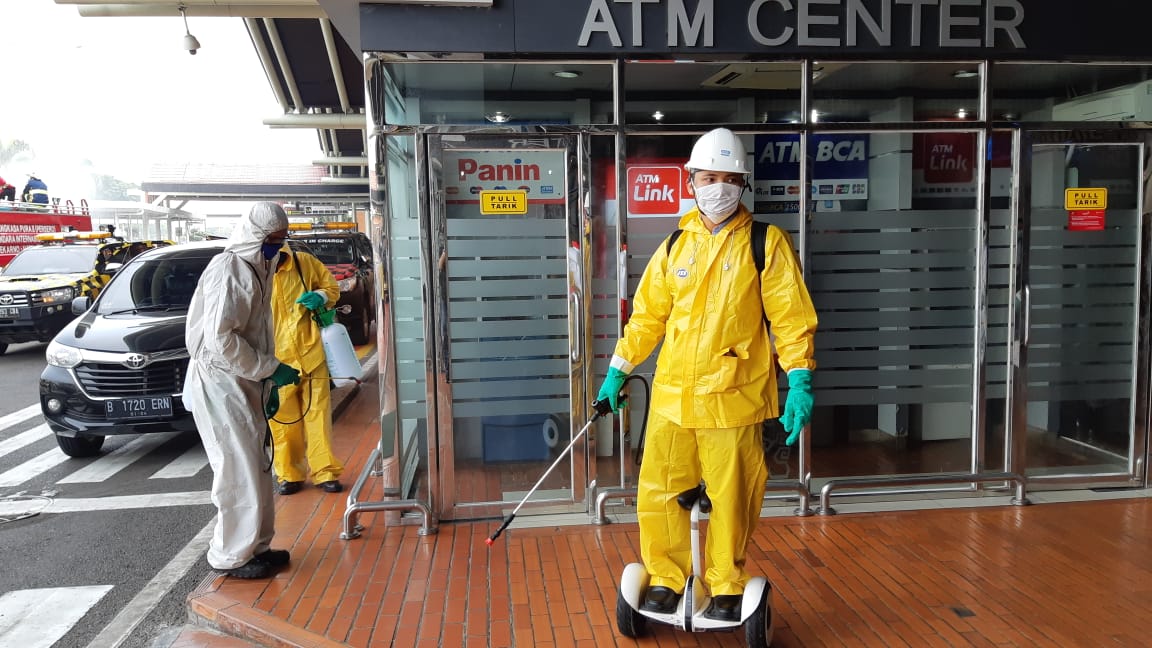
(288, 487)
(725, 607)
(662, 600)
(273, 557)
(252, 569)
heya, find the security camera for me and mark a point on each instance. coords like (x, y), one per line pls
(191, 44)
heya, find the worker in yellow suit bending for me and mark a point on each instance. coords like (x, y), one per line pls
(302, 426)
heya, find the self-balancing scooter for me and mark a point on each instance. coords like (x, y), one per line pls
(755, 605)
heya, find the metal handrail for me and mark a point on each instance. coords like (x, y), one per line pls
(352, 529)
(1020, 499)
(599, 517)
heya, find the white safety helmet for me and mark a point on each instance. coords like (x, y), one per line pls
(718, 150)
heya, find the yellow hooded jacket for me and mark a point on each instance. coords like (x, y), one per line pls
(716, 368)
(297, 338)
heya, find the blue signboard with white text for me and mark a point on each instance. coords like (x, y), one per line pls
(839, 171)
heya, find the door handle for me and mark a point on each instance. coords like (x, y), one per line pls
(576, 340)
(1027, 314)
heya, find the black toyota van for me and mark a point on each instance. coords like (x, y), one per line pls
(119, 367)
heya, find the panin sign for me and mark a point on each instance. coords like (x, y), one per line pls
(839, 170)
(537, 173)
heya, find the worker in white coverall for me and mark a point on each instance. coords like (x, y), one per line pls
(715, 379)
(231, 374)
(302, 428)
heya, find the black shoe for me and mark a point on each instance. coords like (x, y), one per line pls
(725, 607)
(659, 599)
(288, 487)
(252, 569)
(273, 557)
(331, 486)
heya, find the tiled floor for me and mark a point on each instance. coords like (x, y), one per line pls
(1055, 574)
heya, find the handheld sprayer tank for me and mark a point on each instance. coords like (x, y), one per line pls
(340, 355)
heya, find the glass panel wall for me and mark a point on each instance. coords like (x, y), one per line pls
(1067, 92)
(485, 93)
(847, 91)
(694, 92)
(891, 269)
(404, 303)
(615, 458)
(1083, 274)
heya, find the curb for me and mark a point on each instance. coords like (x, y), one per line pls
(208, 608)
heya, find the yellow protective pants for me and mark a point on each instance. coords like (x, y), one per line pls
(731, 462)
(300, 444)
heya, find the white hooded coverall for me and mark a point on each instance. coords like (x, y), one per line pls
(232, 348)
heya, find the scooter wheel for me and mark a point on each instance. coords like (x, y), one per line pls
(758, 627)
(631, 623)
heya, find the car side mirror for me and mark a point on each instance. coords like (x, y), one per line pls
(80, 305)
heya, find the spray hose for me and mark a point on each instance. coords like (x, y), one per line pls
(600, 408)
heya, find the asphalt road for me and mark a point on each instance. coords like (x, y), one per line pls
(20, 370)
(113, 566)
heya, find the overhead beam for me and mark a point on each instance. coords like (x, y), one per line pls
(280, 9)
(342, 161)
(352, 121)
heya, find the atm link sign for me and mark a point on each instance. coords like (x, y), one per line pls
(654, 189)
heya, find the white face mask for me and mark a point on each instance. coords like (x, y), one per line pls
(717, 201)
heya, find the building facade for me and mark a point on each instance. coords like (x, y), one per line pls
(965, 182)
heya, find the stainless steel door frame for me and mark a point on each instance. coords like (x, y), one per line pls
(443, 447)
(1026, 141)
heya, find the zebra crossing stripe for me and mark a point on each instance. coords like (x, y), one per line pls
(19, 416)
(119, 459)
(186, 465)
(36, 504)
(38, 618)
(32, 467)
(10, 445)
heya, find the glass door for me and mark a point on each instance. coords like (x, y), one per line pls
(1080, 397)
(508, 299)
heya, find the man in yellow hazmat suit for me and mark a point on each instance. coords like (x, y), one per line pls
(302, 426)
(715, 379)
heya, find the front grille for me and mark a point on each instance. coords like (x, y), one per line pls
(18, 299)
(114, 380)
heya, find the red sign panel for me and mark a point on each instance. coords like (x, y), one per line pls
(654, 189)
(947, 157)
(1086, 220)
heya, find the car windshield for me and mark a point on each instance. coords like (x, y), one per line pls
(53, 260)
(332, 251)
(165, 283)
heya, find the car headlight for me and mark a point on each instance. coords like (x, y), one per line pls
(346, 284)
(57, 295)
(62, 355)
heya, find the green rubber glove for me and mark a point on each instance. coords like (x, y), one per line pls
(272, 405)
(312, 300)
(610, 388)
(798, 406)
(285, 375)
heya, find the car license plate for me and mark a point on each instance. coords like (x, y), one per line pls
(132, 408)
(9, 312)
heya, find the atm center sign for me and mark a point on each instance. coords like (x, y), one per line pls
(1080, 199)
(503, 202)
